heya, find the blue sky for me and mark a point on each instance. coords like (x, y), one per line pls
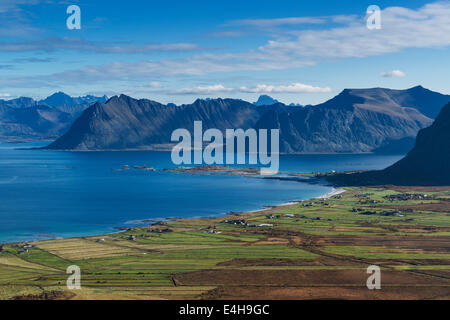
(296, 51)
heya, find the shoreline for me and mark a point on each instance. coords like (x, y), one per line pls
(265, 255)
(164, 148)
(335, 191)
(122, 226)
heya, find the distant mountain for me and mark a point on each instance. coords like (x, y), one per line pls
(357, 120)
(426, 101)
(428, 163)
(265, 100)
(26, 118)
(37, 122)
(60, 99)
(124, 123)
(72, 105)
(22, 102)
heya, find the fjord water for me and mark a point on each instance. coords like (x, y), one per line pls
(49, 194)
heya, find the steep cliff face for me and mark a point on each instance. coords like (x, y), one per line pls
(428, 163)
(360, 120)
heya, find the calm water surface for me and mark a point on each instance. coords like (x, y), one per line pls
(48, 194)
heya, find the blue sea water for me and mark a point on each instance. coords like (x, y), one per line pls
(49, 194)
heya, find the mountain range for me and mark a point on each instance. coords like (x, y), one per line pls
(25, 118)
(127, 123)
(356, 120)
(428, 163)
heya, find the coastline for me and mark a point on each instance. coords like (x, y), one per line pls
(335, 191)
(267, 254)
(165, 147)
(223, 210)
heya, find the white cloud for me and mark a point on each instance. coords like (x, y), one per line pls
(79, 44)
(5, 96)
(14, 22)
(293, 88)
(13, 5)
(260, 88)
(279, 22)
(212, 89)
(393, 73)
(402, 28)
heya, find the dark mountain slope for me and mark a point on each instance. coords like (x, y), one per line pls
(429, 160)
(428, 163)
(358, 120)
(124, 122)
(426, 101)
(353, 121)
